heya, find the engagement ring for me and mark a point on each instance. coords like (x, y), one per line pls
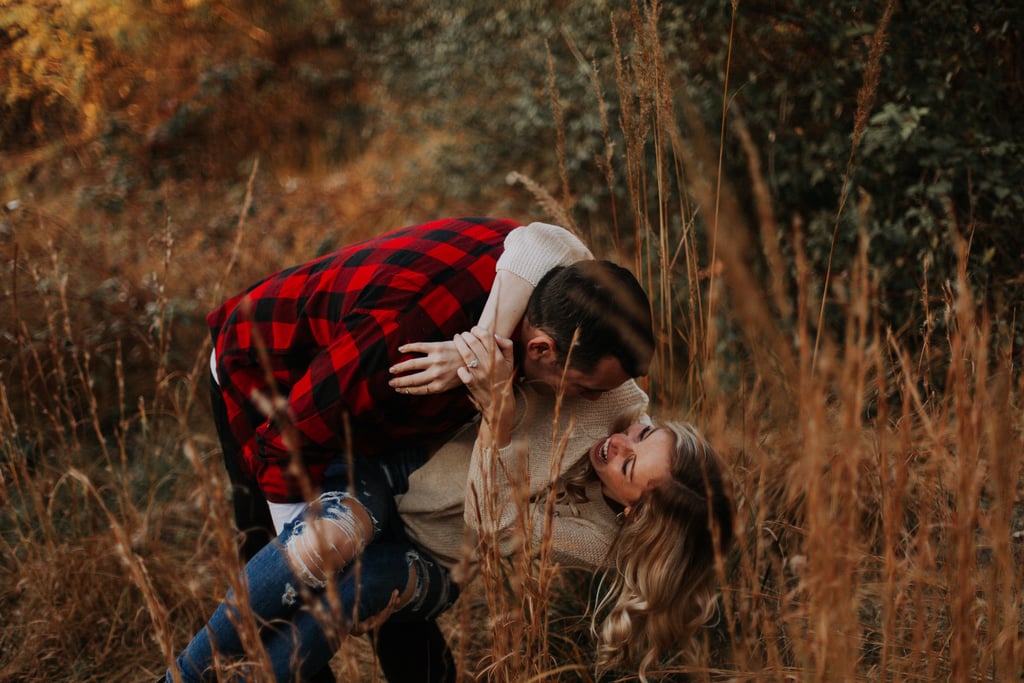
(473, 363)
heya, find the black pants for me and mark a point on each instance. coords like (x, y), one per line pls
(252, 516)
(414, 652)
(411, 652)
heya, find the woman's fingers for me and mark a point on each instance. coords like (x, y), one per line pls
(465, 350)
(488, 362)
(505, 346)
(479, 353)
(470, 358)
(432, 372)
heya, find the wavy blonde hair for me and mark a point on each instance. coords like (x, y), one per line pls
(663, 588)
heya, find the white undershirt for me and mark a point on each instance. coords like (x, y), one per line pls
(282, 513)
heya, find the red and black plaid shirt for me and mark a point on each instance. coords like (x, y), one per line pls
(330, 329)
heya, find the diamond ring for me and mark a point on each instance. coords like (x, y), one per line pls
(473, 363)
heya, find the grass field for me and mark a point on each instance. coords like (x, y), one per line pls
(878, 476)
(881, 505)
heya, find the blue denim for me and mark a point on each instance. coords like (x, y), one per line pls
(296, 642)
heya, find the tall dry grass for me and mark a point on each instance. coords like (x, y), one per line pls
(878, 478)
(881, 518)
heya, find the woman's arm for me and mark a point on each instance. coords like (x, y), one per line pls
(492, 501)
(506, 304)
(498, 507)
(573, 541)
(530, 252)
(496, 464)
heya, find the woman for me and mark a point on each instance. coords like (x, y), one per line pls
(665, 481)
(648, 502)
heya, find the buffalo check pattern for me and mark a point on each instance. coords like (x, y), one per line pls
(320, 337)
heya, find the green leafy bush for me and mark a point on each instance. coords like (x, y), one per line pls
(938, 156)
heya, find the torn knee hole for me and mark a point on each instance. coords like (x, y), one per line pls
(324, 545)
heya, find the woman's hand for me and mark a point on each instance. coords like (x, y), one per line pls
(432, 373)
(487, 373)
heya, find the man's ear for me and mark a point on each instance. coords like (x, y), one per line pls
(540, 346)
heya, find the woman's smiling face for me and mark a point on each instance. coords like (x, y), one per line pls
(628, 461)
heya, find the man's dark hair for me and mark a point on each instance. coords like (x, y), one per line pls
(608, 307)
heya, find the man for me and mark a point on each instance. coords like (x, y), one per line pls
(323, 336)
(581, 322)
(312, 346)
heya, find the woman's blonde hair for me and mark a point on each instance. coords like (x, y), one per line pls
(662, 588)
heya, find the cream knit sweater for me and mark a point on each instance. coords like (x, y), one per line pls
(532, 250)
(467, 487)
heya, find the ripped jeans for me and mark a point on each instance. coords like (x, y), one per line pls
(298, 621)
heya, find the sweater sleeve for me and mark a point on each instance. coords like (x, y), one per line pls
(532, 250)
(508, 487)
(491, 499)
(575, 537)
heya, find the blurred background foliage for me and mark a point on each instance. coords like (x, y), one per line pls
(131, 103)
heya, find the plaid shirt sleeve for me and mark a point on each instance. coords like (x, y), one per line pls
(328, 331)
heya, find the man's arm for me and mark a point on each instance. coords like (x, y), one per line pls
(336, 388)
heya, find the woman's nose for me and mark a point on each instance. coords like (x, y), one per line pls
(617, 444)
